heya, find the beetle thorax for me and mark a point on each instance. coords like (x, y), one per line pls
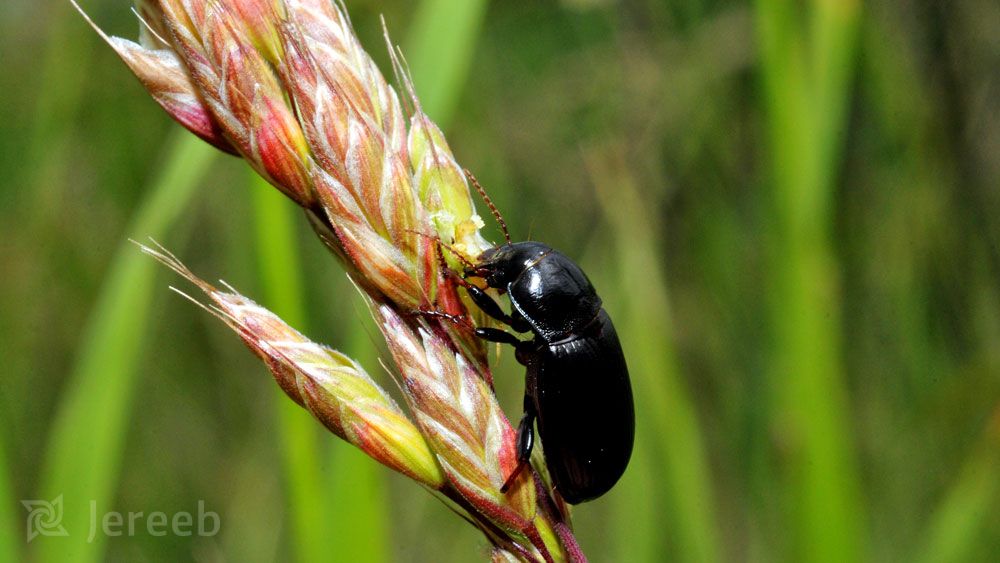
(503, 264)
(555, 297)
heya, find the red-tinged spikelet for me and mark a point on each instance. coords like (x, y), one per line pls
(458, 413)
(333, 387)
(286, 85)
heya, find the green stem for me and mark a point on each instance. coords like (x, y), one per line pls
(59, 95)
(326, 518)
(969, 506)
(439, 50)
(85, 446)
(806, 82)
(667, 423)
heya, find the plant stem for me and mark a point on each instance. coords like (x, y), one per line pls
(667, 421)
(967, 507)
(439, 49)
(280, 272)
(325, 518)
(83, 459)
(807, 57)
(59, 94)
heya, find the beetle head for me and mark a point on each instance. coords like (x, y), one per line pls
(502, 264)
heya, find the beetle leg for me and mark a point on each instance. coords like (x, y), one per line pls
(523, 349)
(431, 314)
(487, 304)
(493, 309)
(497, 335)
(517, 322)
(525, 441)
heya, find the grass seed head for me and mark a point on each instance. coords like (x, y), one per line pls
(331, 386)
(459, 415)
(286, 85)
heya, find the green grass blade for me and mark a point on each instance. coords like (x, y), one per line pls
(439, 50)
(278, 256)
(806, 77)
(635, 522)
(326, 517)
(59, 94)
(667, 424)
(87, 437)
(280, 273)
(968, 506)
(362, 530)
(10, 533)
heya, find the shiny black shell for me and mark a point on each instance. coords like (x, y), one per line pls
(577, 376)
(585, 415)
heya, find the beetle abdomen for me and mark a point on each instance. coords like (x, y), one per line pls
(586, 417)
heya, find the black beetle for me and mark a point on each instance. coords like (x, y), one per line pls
(577, 384)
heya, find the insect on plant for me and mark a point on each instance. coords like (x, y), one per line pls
(286, 85)
(576, 384)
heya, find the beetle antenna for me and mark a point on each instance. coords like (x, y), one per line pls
(442, 263)
(448, 271)
(440, 243)
(489, 203)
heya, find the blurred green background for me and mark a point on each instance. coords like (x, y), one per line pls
(789, 207)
